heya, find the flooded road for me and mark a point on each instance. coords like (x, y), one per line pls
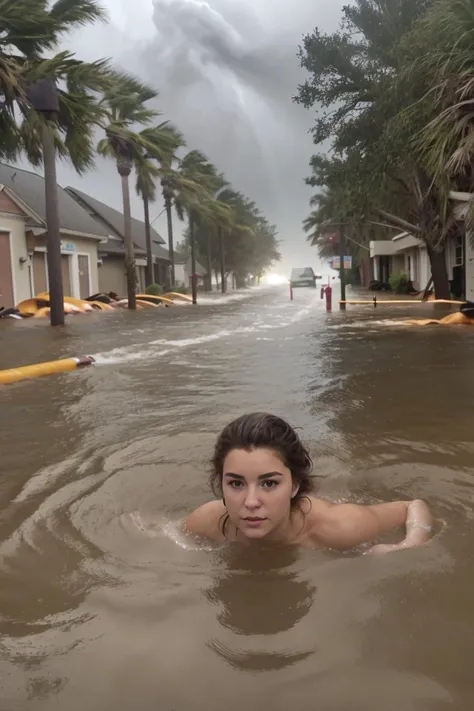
(102, 605)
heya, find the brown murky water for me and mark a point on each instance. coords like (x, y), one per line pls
(102, 606)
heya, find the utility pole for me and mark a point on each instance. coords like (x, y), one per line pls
(342, 273)
(193, 261)
(43, 97)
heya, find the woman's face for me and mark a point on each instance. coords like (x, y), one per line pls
(258, 489)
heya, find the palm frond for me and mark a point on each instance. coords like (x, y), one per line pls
(68, 15)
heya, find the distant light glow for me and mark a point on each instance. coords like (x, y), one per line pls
(274, 279)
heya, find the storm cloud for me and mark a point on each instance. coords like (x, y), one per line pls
(226, 71)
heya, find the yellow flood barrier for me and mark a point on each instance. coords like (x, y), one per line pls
(376, 301)
(63, 365)
(173, 295)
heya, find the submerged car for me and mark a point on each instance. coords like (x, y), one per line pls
(303, 277)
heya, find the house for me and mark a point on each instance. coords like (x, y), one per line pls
(183, 271)
(407, 254)
(23, 267)
(460, 254)
(112, 276)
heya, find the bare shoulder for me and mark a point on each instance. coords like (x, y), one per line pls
(204, 521)
(343, 525)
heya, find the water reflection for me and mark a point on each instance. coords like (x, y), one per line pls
(260, 593)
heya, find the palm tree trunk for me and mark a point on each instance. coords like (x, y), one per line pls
(193, 261)
(439, 274)
(169, 217)
(129, 251)
(149, 254)
(222, 260)
(399, 222)
(53, 240)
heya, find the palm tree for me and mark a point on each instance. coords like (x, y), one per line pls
(147, 173)
(241, 227)
(40, 120)
(447, 142)
(125, 107)
(200, 182)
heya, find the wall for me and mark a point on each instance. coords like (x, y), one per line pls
(86, 247)
(424, 268)
(180, 274)
(21, 277)
(72, 247)
(141, 279)
(412, 257)
(398, 264)
(112, 275)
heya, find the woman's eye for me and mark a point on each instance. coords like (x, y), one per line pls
(269, 484)
(236, 484)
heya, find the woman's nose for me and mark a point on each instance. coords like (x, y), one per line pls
(252, 500)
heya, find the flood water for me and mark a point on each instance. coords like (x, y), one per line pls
(104, 607)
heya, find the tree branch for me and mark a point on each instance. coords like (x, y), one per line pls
(399, 222)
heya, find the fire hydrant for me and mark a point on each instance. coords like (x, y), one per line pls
(328, 294)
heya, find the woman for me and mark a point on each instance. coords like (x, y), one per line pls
(261, 473)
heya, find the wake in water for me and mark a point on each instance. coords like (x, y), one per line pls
(281, 317)
(171, 529)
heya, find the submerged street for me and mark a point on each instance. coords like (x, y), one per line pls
(105, 607)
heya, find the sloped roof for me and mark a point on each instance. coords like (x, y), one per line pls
(113, 219)
(29, 187)
(114, 246)
(187, 263)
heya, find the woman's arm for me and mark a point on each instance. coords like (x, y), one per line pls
(344, 526)
(418, 529)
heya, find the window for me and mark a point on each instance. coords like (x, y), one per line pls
(459, 251)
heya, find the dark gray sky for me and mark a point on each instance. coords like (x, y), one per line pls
(226, 71)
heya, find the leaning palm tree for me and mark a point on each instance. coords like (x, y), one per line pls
(184, 182)
(31, 31)
(200, 205)
(125, 107)
(149, 168)
(147, 173)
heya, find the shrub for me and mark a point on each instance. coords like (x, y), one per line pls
(154, 290)
(399, 283)
(180, 290)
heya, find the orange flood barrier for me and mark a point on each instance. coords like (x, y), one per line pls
(63, 365)
(456, 319)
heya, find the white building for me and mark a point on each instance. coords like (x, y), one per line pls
(406, 254)
(23, 265)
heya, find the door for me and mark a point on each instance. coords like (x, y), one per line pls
(84, 276)
(7, 297)
(66, 272)
(39, 272)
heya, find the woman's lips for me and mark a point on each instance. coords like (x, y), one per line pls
(253, 521)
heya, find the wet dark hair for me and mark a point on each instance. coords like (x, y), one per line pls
(262, 430)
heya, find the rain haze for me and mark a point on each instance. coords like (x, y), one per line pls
(226, 71)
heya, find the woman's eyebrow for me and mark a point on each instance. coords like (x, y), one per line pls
(268, 475)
